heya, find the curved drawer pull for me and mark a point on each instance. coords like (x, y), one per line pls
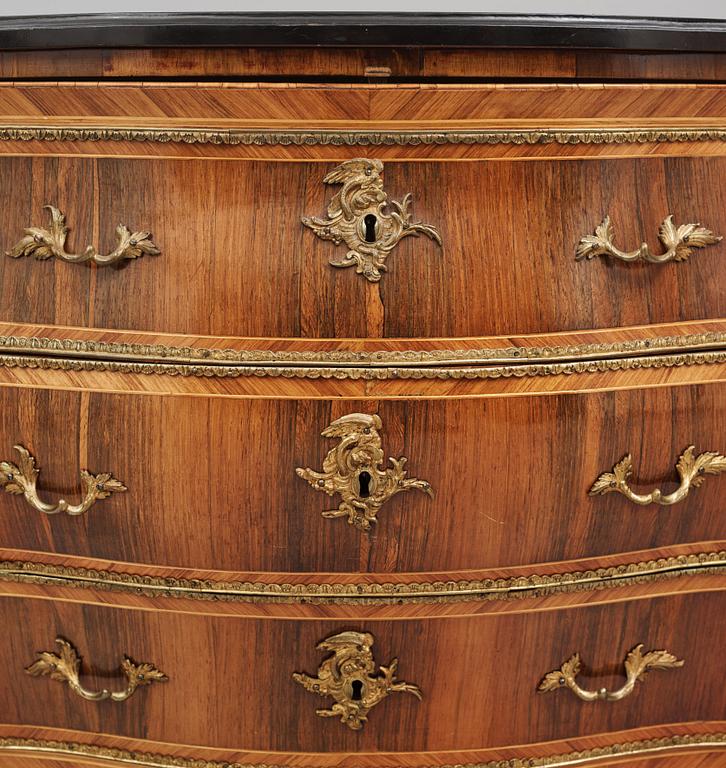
(21, 479)
(637, 665)
(691, 469)
(349, 676)
(353, 468)
(678, 241)
(66, 666)
(50, 243)
(358, 216)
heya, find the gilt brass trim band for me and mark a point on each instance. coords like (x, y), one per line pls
(62, 749)
(362, 374)
(369, 138)
(374, 359)
(332, 593)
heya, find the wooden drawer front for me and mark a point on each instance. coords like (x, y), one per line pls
(230, 679)
(212, 484)
(236, 259)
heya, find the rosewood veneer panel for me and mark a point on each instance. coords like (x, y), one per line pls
(230, 680)
(237, 261)
(212, 483)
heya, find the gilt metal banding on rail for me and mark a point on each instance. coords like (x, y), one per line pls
(364, 138)
(515, 587)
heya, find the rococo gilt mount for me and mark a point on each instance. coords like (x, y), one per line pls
(361, 216)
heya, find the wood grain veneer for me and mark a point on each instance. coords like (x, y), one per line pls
(231, 240)
(319, 63)
(478, 676)
(456, 104)
(214, 480)
(449, 111)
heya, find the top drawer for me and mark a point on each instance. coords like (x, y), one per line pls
(237, 260)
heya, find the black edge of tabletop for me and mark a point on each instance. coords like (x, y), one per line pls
(173, 30)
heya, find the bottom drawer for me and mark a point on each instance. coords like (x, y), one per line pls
(230, 679)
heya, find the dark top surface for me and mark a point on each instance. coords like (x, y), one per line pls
(354, 29)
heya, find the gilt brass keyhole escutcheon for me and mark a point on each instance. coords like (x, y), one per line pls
(349, 677)
(354, 469)
(362, 217)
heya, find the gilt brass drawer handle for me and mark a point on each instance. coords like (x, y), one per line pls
(21, 478)
(691, 470)
(358, 215)
(66, 666)
(353, 468)
(637, 665)
(679, 242)
(50, 243)
(349, 676)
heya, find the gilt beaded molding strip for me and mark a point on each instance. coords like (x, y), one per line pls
(365, 374)
(160, 352)
(373, 138)
(515, 587)
(65, 749)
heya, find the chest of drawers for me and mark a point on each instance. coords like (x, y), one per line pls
(388, 426)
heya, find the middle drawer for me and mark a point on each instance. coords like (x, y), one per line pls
(239, 485)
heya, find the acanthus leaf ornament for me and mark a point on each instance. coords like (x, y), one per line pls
(66, 668)
(691, 470)
(637, 664)
(20, 479)
(353, 469)
(362, 216)
(50, 243)
(349, 677)
(679, 243)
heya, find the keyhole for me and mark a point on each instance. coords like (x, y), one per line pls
(364, 484)
(357, 690)
(370, 222)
